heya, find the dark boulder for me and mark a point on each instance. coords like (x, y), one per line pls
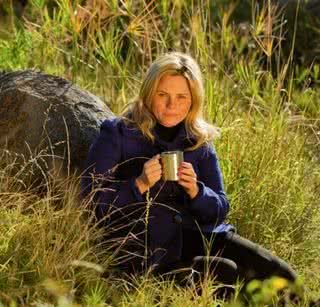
(47, 121)
(17, 6)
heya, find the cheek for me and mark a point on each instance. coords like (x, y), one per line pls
(185, 109)
(157, 109)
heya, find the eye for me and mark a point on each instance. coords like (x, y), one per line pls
(161, 94)
(182, 97)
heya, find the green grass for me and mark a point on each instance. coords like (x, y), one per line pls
(268, 152)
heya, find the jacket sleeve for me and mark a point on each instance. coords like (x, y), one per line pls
(104, 154)
(210, 205)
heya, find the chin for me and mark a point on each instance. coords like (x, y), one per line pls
(170, 122)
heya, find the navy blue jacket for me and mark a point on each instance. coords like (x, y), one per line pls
(116, 159)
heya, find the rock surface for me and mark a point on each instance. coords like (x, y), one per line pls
(45, 116)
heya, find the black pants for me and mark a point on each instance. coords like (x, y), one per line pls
(249, 260)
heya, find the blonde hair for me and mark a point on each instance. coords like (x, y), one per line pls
(139, 113)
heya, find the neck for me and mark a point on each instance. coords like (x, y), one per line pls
(167, 134)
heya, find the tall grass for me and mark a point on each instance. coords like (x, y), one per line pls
(47, 243)
(269, 150)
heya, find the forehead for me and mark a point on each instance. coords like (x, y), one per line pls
(174, 83)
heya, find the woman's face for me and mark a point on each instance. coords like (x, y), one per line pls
(172, 100)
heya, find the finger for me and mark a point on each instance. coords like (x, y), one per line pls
(188, 180)
(156, 157)
(186, 165)
(153, 170)
(153, 161)
(187, 185)
(153, 167)
(187, 173)
(154, 177)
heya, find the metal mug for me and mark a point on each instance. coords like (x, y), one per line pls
(170, 161)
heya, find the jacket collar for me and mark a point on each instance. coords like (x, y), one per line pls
(181, 141)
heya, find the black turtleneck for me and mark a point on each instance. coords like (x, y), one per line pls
(167, 134)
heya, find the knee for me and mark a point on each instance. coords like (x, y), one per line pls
(221, 269)
(286, 271)
(258, 262)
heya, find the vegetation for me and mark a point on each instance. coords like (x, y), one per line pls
(269, 150)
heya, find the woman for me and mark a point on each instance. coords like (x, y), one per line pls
(125, 171)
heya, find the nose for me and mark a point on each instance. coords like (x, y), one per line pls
(171, 102)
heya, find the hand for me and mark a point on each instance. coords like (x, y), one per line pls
(188, 179)
(151, 173)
